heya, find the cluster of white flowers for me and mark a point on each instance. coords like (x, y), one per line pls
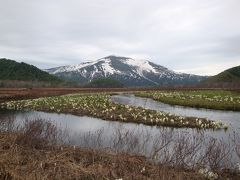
(206, 96)
(143, 170)
(99, 105)
(208, 174)
(238, 167)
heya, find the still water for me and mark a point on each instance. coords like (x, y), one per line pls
(231, 118)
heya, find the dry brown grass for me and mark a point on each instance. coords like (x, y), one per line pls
(24, 162)
(8, 94)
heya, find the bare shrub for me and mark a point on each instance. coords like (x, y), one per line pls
(4, 174)
(91, 140)
(236, 141)
(217, 154)
(39, 133)
(187, 150)
(7, 123)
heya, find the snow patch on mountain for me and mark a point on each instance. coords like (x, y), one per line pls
(107, 67)
(72, 68)
(141, 65)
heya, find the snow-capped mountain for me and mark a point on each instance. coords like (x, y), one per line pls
(130, 72)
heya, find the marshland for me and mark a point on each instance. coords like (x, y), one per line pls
(127, 135)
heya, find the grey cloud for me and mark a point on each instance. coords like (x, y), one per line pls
(182, 35)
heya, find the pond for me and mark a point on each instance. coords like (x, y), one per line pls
(138, 138)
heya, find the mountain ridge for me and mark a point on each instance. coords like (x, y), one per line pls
(130, 72)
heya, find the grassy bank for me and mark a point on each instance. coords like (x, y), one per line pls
(100, 106)
(210, 99)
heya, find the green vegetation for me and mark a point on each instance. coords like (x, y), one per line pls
(99, 105)
(214, 99)
(104, 83)
(230, 75)
(11, 70)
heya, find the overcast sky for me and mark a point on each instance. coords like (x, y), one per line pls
(193, 36)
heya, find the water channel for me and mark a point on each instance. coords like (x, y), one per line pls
(92, 132)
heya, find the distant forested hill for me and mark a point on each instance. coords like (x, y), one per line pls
(12, 70)
(229, 77)
(17, 74)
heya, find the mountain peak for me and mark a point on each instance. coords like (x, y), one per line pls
(129, 71)
(114, 57)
